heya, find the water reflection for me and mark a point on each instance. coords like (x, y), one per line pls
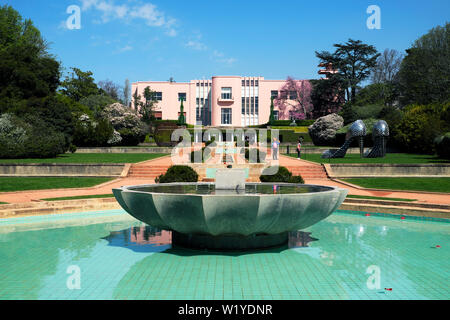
(141, 239)
(146, 238)
(209, 189)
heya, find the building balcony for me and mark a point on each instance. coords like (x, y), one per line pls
(225, 99)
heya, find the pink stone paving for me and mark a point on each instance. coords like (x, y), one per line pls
(106, 188)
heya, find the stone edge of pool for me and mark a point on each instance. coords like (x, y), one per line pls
(89, 205)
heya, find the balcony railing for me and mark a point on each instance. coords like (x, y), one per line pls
(225, 98)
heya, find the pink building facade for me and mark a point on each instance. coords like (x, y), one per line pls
(225, 101)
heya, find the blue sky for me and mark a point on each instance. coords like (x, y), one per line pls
(158, 39)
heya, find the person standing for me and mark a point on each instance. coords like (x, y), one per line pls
(275, 146)
(299, 149)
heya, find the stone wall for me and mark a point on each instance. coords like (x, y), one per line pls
(350, 170)
(61, 170)
(125, 150)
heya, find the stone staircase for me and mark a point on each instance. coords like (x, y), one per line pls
(308, 172)
(147, 171)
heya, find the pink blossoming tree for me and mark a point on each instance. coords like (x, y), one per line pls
(295, 98)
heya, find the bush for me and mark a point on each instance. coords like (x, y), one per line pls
(127, 123)
(89, 133)
(178, 174)
(442, 145)
(419, 128)
(20, 140)
(283, 176)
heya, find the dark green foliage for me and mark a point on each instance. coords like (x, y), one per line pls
(96, 103)
(327, 96)
(290, 136)
(272, 116)
(36, 139)
(79, 85)
(130, 138)
(92, 133)
(26, 68)
(354, 61)
(163, 138)
(72, 148)
(425, 71)
(178, 174)
(283, 176)
(442, 144)
(349, 114)
(384, 94)
(287, 123)
(420, 126)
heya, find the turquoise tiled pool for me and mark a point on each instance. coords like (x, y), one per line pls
(347, 256)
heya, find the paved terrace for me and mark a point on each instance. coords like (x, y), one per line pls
(145, 173)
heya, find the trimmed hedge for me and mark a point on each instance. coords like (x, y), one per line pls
(283, 176)
(178, 174)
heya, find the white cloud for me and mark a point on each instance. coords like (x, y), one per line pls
(196, 45)
(125, 49)
(221, 58)
(146, 12)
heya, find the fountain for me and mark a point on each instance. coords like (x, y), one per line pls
(230, 214)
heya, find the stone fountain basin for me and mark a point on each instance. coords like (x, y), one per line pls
(229, 212)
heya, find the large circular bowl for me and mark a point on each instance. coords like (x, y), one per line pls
(259, 216)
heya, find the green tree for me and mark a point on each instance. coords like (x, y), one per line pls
(425, 71)
(327, 96)
(354, 61)
(147, 107)
(79, 84)
(272, 113)
(181, 118)
(26, 68)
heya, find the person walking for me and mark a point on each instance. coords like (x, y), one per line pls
(275, 147)
(299, 149)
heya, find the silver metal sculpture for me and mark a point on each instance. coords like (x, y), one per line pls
(356, 131)
(380, 133)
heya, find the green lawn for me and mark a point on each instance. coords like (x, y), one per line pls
(3, 202)
(409, 184)
(97, 196)
(91, 158)
(379, 198)
(395, 158)
(8, 184)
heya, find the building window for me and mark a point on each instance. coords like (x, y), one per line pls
(248, 83)
(243, 83)
(274, 94)
(256, 83)
(283, 94)
(226, 116)
(226, 94)
(276, 114)
(243, 105)
(158, 96)
(252, 104)
(182, 96)
(252, 83)
(293, 95)
(256, 105)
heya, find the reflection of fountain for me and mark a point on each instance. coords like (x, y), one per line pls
(238, 216)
